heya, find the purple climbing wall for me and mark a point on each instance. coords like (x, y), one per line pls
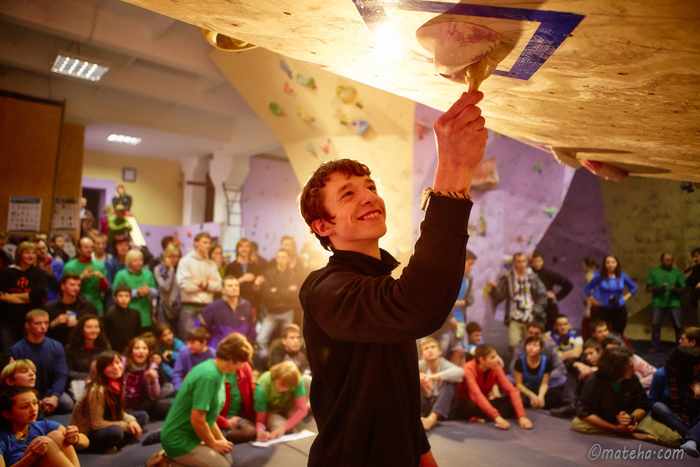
(579, 230)
(511, 218)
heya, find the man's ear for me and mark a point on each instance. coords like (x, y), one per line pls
(321, 227)
(7, 414)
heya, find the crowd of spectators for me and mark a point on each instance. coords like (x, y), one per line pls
(118, 338)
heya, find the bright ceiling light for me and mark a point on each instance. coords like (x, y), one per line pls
(79, 67)
(124, 139)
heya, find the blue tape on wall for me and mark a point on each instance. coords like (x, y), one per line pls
(554, 27)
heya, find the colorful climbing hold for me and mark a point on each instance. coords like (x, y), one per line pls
(305, 116)
(362, 127)
(304, 81)
(326, 146)
(482, 225)
(537, 167)
(287, 88)
(285, 68)
(346, 94)
(550, 212)
(310, 147)
(276, 109)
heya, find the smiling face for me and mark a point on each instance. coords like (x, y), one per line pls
(139, 353)
(91, 329)
(357, 214)
(85, 247)
(28, 257)
(601, 332)
(114, 370)
(243, 250)
(24, 410)
(136, 263)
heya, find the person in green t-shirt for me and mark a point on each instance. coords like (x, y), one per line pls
(280, 401)
(143, 285)
(665, 283)
(92, 273)
(118, 224)
(190, 435)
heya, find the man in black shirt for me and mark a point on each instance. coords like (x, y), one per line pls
(66, 310)
(550, 279)
(360, 324)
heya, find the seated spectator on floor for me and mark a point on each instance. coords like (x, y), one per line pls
(690, 337)
(291, 349)
(85, 343)
(122, 244)
(674, 396)
(92, 273)
(65, 311)
(569, 343)
(20, 373)
(50, 360)
(58, 242)
(613, 403)
(121, 322)
(642, 368)
(592, 350)
(480, 375)
(438, 382)
(196, 352)
(232, 313)
(143, 286)
(168, 348)
(191, 436)
(599, 331)
(532, 374)
(280, 401)
(100, 252)
(280, 297)
(22, 288)
(100, 412)
(165, 273)
(141, 378)
(53, 269)
(558, 375)
(26, 441)
(236, 418)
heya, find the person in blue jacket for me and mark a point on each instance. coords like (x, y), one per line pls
(611, 283)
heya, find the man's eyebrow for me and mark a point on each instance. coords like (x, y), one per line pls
(367, 181)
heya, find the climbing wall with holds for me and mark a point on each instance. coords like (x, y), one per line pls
(269, 206)
(320, 116)
(517, 193)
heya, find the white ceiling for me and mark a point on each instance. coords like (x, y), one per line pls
(162, 85)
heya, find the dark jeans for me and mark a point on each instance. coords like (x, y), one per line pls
(614, 315)
(551, 400)
(468, 409)
(551, 311)
(657, 321)
(156, 410)
(663, 413)
(440, 404)
(114, 435)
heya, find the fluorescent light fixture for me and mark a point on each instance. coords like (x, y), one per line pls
(124, 139)
(79, 67)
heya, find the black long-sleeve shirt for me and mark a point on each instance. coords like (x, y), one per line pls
(33, 281)
(551, 278)
(360, 327)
